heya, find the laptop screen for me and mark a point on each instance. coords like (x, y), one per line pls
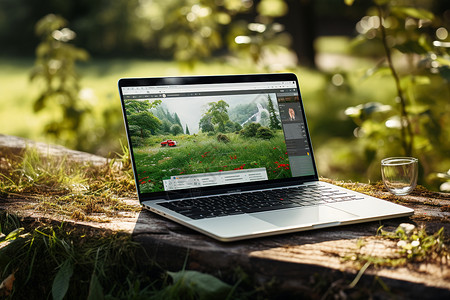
(219, 131)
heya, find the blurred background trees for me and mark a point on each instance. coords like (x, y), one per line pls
(186, 30)
(352, 87)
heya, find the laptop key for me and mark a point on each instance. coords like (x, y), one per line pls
(259, 201)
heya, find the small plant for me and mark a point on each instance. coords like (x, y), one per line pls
(250, 129)
(415, 245)
(223, 138)
(264, 133)
(412, 245)
(55, 68)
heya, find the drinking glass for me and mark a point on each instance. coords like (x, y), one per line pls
(399, 174)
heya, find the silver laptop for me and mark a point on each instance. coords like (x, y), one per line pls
(231, 157)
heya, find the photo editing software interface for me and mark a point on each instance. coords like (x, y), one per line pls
(216, 134)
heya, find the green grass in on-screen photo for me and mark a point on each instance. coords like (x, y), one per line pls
(203, 153)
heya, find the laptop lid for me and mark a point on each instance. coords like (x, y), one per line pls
(202, 135)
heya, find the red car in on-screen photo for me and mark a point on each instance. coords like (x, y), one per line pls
(170, 143)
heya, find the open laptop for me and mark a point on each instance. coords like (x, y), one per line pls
(231, 157)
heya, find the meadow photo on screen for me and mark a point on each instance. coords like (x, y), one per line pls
(199, 135)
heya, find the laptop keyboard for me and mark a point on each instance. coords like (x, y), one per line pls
(258, 201)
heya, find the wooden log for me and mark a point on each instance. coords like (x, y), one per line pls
(12, 145)
(310, 264)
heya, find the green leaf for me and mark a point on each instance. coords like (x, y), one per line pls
(443, 61)
(421, 80)
(14, 234)
(411, 47)
(204, 285)
(423, 42)
(417, 13)
(39, 103)
(444, 71)
(62, 279)
(95, 289)
(377, 70)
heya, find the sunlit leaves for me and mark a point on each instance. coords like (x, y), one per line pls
(418, 66)
(141, 118)
(371, 110)
(59, 82)
(48, 24)
(416, 244)
(349, 2)
(412, 12)
(411, 47)
(272, 8)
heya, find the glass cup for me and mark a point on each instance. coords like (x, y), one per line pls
(400, 174)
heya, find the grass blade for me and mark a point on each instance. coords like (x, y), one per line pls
(95, 289)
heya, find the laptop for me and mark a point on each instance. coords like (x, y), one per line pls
(230, 156)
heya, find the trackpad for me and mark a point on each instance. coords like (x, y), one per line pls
(304, 216)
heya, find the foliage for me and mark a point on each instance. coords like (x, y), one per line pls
(206, 124)
(142, 121)
(223, 138)
(176, 129)
(136, 106)
(217, 119)
(170, 123)
(264, 133)
(156, 29)
(55, 68)
(417, 120)
(196, 285)
(218, 114)
(274, 121)
(413, 245)
(59, 260)
(416, 244)
(190, 31)
(250, 129)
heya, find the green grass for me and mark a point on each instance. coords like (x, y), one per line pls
(57, 261)
(65, 188)
(201, 153)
